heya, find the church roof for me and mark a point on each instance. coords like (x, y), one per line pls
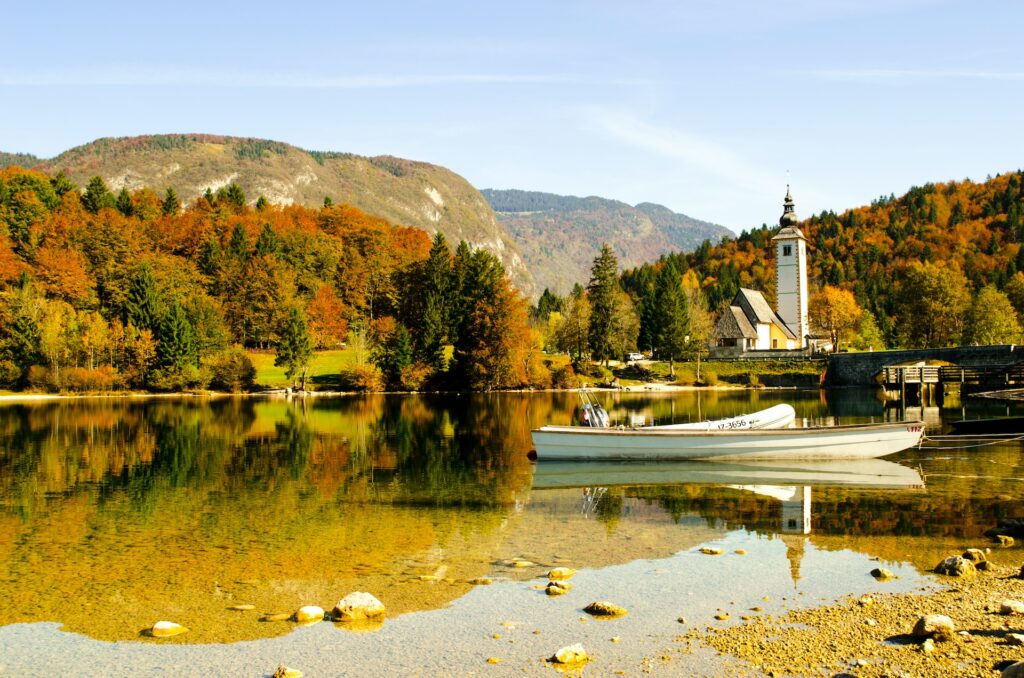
(733, 323)
(757, 310)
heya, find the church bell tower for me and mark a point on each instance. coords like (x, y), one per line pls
(791, 273)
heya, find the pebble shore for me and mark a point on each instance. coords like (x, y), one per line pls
(870, 637)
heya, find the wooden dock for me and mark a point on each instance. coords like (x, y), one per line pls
(929, 382)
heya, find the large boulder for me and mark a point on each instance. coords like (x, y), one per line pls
(974, 555)
(937, 626)
(956, 566)
(1014, 671)
(358, 605)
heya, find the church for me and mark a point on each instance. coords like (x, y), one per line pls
(750, 323)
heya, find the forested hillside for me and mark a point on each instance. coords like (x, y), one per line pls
(939, 265)
(418, 194)
(559, 235)
(132, 290)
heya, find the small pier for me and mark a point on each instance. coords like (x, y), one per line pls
(931, 383)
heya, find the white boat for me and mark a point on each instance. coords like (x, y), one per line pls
(864, 473)
(777, 416)
(859, 441)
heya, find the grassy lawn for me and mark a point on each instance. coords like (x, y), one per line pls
(325, 367)
(739, 371)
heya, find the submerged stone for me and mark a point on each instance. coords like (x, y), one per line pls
(358, 605)
(561, 573)
(882, 573)
(570, 654)
(287, 672)
(711, 551)
(602, 608)
(558, 588)
(309, 614)
(956, 566)
(275, 616)
(166, 629)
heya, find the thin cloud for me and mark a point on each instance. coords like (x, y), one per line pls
(698, 152)
(886, 75)
(208, 78)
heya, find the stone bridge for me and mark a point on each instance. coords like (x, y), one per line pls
(859, 369)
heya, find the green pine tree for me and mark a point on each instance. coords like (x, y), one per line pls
(97, 196)
(171, 205)
(294, 348)
(604, 290)
(123, 203)
(672, 317)
(267, 242)
(142, 306)
(177, 340)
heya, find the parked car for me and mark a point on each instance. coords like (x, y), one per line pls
(633, 357)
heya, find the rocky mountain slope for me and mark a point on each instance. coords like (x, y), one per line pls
(559, 236)
(402, 191)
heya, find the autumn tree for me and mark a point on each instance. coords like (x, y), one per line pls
(992, 319)
(932, 304)
(834, 310)
(326, 315)
(573, 333)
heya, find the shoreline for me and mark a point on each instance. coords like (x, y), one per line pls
(658, 387)
(870, 636)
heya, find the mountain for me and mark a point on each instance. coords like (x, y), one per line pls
(559, 236)
(402, 191)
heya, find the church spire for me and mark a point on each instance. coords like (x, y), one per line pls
(788, 217)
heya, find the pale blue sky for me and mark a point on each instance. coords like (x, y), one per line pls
(702, 106)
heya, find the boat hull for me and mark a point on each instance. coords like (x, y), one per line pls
(863, 473)
(777, 416)
(866, 441)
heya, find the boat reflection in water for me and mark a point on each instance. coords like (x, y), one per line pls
(788, 482)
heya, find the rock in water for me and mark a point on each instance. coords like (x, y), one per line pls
(956, 566)
(570, 654)
(166, 629)
(287, 672)
(561, 574)
(1004, 540)
(711, 551)
(480, 581)
(603, 608)
(882, 573)
(937, 626)
(557, 588)
(275, 616)
(242, 608)
(1014, 671)
(357, 605)
(1015, 639)
(308, 614)
(974, 555)
(1011, 607)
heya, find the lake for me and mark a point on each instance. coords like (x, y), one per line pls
(116, 513)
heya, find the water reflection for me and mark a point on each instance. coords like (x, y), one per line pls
(115, 513)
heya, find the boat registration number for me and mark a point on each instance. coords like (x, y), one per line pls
(915, 429)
